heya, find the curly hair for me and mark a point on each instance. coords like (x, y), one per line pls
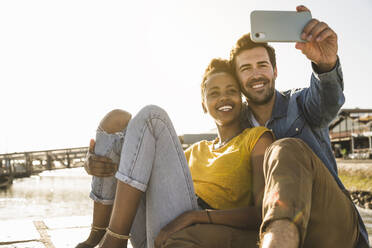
(217, 65)
(244, 43)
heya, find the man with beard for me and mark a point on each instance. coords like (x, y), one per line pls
(304, 204)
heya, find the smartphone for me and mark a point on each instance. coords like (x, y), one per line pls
(278, 26)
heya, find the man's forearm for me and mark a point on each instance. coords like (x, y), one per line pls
(324, 98)
(331, 87)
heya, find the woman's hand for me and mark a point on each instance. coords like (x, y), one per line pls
(182, 221)
(98, 165)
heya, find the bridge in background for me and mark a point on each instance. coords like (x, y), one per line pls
(23, 164)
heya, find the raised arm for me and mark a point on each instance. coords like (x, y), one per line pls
(324, 98)
(322, 46)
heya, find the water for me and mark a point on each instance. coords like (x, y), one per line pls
(63, 193)
(51, 194)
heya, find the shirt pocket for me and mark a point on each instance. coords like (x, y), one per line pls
(295, 128)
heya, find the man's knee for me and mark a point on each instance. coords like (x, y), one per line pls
(288, 146)
(115, 121)
(288, 149)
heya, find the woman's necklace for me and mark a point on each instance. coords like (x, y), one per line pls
(219, 145)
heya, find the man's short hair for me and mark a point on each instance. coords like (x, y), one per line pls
(216, 66)
(245, 43)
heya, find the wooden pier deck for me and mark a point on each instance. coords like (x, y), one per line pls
(58, 232)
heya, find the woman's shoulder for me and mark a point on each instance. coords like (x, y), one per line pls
(199, 145)
(253, 131)
(250, 136)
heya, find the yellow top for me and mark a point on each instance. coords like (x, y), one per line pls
(223, 177)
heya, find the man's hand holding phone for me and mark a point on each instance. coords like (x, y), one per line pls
(322, 46)
(316, 40)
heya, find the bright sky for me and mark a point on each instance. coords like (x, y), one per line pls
(64, 64)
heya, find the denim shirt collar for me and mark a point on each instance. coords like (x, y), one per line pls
(280, 106)
(279, 110)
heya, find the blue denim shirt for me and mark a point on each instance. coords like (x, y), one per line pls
(305, 114)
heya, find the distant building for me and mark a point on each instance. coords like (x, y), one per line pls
(351, 133)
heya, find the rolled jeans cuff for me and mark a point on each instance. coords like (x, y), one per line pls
(100, 200)
(130, 181)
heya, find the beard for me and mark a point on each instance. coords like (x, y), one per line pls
(263, 99)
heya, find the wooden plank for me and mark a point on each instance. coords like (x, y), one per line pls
(43, 231)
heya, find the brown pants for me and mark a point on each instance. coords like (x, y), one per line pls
(300, 188)
(212, 236)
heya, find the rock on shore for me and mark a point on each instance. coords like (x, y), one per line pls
(362, 198)
(358, 175)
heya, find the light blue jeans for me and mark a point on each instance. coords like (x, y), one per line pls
(151, 159)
